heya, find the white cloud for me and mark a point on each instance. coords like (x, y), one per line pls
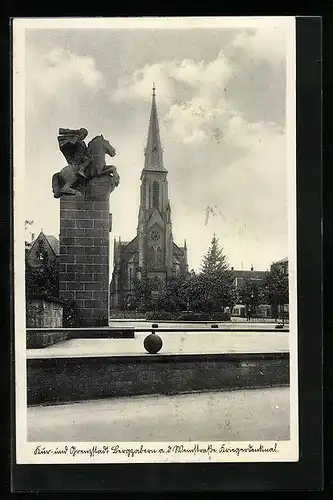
(200, 76)
(213, 151)
(264, 43)
(59, 68)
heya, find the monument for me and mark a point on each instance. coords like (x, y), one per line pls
(84, 186)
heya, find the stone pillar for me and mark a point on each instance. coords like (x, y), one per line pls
(84, 251)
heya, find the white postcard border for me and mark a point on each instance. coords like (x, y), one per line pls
(205, 452)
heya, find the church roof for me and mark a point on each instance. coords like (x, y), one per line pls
(153, 151)
(178, 250)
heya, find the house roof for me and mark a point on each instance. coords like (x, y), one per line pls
(249, 274)
(54, 243)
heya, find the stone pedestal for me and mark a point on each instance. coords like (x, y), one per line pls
(84, 251)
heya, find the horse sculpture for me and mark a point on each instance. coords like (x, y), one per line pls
(87, 164)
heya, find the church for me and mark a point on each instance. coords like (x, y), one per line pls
(152, 252)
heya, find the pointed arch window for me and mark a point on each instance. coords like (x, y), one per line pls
(149, 195)
(130, 278)
(159, 258)
(156, 195)
(151, 258)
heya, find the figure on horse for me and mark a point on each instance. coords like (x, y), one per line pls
(84, 162)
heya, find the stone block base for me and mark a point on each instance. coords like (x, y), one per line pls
(84, 252)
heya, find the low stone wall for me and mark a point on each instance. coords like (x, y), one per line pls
(42, 313)
(59, 380)
(37, 339)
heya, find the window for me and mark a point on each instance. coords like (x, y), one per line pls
(151, 258)
(155, 235)
(159, 258)
(130, 278)
(156, 194)
(149, 196)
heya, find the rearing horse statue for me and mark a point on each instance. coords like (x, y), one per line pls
(83, 161)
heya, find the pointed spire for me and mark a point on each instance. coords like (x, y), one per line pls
(153, 150)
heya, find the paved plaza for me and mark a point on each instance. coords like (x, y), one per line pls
(258, 414)
(209, 342)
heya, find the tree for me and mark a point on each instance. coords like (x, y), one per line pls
(142, 297)
(250, 294)
(212, 289)
(173, 295)
(276, 288)
(214, 260)
(44, 279)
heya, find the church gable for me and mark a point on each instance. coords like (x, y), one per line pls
(155, 218)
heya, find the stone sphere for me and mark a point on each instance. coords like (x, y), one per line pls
(152, 343)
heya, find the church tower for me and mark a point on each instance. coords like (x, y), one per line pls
(152, 253)
(154, 231)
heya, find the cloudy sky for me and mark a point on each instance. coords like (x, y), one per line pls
(221, 97)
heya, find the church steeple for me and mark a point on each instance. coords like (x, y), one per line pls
(153, 151)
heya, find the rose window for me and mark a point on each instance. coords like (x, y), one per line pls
(155, 235)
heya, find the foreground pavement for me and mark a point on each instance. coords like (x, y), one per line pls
(209, 342)
(256, 415)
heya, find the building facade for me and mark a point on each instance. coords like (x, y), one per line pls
(252, 275)
(42, 266)
(152, 253)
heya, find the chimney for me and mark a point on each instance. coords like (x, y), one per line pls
(232, 268)
(32, 236)
(242, 265)
(251, 267)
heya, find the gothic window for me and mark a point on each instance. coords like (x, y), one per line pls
(156, 194)
(159, 258)
(149, 195)
(130, 278)
(151, 258)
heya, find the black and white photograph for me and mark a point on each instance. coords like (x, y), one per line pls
(154, 178)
